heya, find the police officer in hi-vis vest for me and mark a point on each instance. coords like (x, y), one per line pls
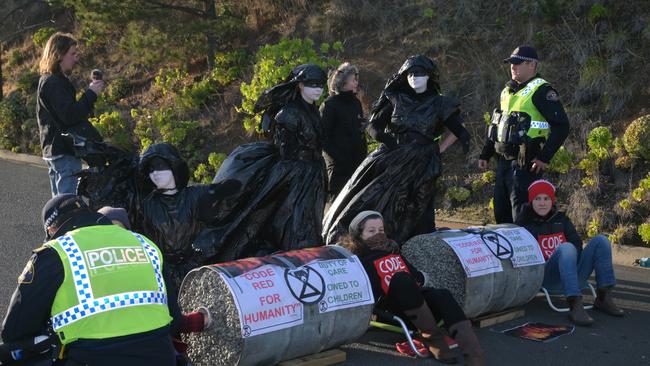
(525, 132)
(98, 286)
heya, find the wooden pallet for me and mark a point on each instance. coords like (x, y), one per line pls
(500, 317)
(325, 358)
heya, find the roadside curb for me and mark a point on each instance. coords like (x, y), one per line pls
(622, 255)
(23, 158)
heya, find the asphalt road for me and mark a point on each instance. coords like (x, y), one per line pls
(611, 341)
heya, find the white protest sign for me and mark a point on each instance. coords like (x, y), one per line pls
(346, 284)
(264, 301)
(526, 251)
(475, 257)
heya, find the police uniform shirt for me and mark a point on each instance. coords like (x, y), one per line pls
(547, 101)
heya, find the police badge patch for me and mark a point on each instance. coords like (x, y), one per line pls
(27, 276)
(552, 96)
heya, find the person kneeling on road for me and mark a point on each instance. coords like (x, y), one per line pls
(401, 291)
(99, 285)
(568, 265)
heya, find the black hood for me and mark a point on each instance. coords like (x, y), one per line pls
(398, 83)
(282, 93)
(171, 155)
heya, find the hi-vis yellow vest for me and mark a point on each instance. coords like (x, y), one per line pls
(113, 285)
(522, 101)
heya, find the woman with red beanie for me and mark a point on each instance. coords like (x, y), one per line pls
(568, 265)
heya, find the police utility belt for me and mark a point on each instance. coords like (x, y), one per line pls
(509, 132)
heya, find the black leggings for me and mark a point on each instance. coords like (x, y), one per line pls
(404, 294)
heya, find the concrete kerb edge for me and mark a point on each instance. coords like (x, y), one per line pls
(23, 158)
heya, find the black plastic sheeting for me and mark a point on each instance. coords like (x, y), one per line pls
(280, 205)
(399, 182)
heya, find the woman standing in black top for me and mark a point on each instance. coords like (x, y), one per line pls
(345, 145)
(58, 111)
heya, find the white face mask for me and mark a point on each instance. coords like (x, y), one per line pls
(163, 179)
(310, 95)
(418, 83)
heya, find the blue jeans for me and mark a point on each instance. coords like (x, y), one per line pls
(61, 170)
(565, 272)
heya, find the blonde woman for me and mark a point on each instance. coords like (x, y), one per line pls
(58, 111)
(344, 145)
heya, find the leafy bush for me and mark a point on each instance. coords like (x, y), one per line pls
(639, 194)
(163, 125)
(644, 232)
(588, 182)
(273, 63)
(619, 147)
(477, 185)
(228, 66)
(13, 112)
(589, 164)
(599, 141)
(204, 172)
(170, 80)
(197, 94)
(597, 12)
(428, 13)
(625, 204)
(489, 177)
(562, 161)
(457, 194)
(637, 136)
(624, 162)
(118, 88)
(16, 57)
(114, 129)
(28, 81)
(594, 69)
(41, 36)
(593, 228)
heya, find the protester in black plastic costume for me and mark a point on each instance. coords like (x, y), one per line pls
(281, 203)
(398, 179)
(174, 214)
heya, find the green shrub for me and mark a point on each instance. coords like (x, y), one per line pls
(644, 232)
(589, 164)
(619, 147)
(16, 57)
(114, 129)
(491, 204)
(477, 185)
(637, 137)
(599, 141)
(594, 69)
(645, 183)
(205, 172)
(593, 228)
(118, 88)
(489, 177)
(597, 12)
(639, 194)
(170, 81)
(588, 182)
(562, 161)
(13, 111)
(625, 204)
(457, 194)
(28, 81)
(228, 66)
(428, 13)
(41, 36)
(197, 94)
(624, 162)
(273, 63)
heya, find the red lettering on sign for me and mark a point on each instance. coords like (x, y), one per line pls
(268, 314)
(387, 267)
(548, 243)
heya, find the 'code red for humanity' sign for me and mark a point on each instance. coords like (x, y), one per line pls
(476, 258)
(264, 301)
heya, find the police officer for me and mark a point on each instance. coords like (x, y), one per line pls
(99, 286)
(525, 133)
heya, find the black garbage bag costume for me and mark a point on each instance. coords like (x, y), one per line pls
(174, 221)
(398, 179)
(280, 205)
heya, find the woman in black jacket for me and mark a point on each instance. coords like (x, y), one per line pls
(58, 111)
(568, 265)
(398, 285)
(344, 146)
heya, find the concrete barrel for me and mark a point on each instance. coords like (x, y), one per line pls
(269, 309)
(487, 288)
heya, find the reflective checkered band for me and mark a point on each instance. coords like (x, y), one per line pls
(88, 305)
(155, 260)
(532, 85)
(539, 124)
(523, 58)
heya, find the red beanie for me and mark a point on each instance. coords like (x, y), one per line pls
(541, 186)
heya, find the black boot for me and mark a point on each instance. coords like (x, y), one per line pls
(577, 314)
(605, 303)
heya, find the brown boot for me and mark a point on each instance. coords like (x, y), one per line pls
(434, 337)
(605, 303)
(577, 314)
(463, 333)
